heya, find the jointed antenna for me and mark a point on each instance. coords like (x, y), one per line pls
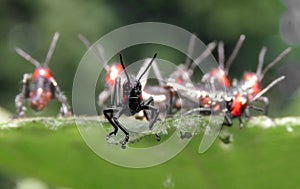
(158, 74)
(210, 47)
(190, 50)
(149, 65)
(99, 51)
(123, 65)
(261, 59)
(268, 87)
(28, 57)
(221, 54)
(234, 52)
(277, 59)
(51, 49)
(84, 40)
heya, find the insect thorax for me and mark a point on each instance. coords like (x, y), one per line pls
(132, 94)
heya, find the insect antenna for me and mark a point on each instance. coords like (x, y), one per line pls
(158, 75)
(84, 40)
(28, 57)
(190, 52)
(51, 49)
(268, 87)
(123, 65)
(221, 54)
(99, 52)
(261, 59)
(234, 52)
(210, 47)
(277, 59)
(149, 65)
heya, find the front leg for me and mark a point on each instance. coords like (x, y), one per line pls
(149, 105)
(247, 114)
(265, 100)
(113, 117)
(20, 98)
(241, 122)
(172, 102)
(257, 108)
(20, 108)
(65, 109)
(118, 124)
(228, 119)
(109, 113)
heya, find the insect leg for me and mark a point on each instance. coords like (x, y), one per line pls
(171, 102)
(19, 100)
(149, 105)
(109, 113)
(257, 108)
(158, 74)
(247, 113)
(228, 119)
(118, 124)
(265, 100)
(65, 109)
(241, 122)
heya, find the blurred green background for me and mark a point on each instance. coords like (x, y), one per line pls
(30, 25)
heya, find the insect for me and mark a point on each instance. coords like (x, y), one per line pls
(217, 78)
(112, 71)
(130, 103)
(242, 102)
(250, 83)
(235, 107)
(40, 87)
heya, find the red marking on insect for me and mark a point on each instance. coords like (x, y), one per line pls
(204, 99)
(39, 98)
(112, 74)
(205, 102)
(251, 80)
(44, 72)
(179, 81)
(239, 103)
(125, 98)
(220, 75)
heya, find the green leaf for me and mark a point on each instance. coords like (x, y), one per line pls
(265, 153)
